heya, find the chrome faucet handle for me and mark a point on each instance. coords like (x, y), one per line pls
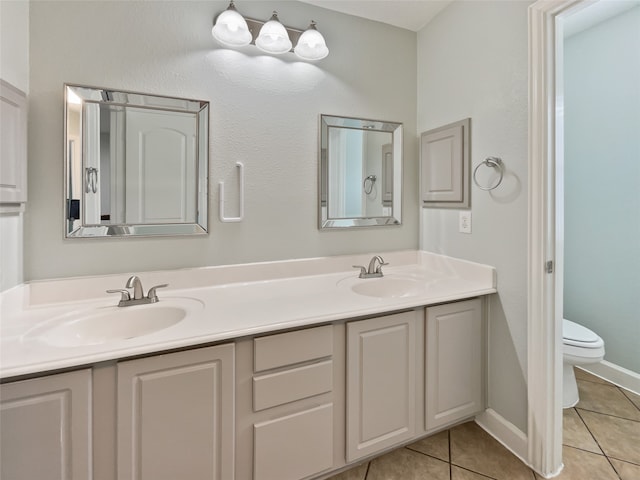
(124, 294)
(379, 267)
(135, 283)
(363, 270)
(372, 264)
(152, 295)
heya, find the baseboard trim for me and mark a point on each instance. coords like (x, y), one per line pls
(620, 376)
(505, 432)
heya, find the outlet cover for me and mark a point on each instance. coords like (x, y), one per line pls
(464, 222)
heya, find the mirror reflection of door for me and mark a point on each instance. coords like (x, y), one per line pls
(140, 166)
(160, 167)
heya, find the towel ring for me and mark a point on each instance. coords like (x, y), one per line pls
(493, 162)
(368, 187)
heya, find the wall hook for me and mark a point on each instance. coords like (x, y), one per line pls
(240, 216)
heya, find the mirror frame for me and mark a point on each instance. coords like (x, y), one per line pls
(122, 98)
(396, 130)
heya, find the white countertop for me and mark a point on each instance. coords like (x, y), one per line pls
(224, 303)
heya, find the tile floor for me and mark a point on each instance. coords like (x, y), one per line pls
(601, 442)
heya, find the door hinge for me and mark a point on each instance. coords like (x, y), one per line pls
(548, 267)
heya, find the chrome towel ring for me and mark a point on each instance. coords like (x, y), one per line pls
(368, 184)
(493, 162)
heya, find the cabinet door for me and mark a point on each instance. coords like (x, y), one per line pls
(295, 446)
(46, 428)
(175, 416)
(444, 166)
(381, 361)
(13, 144)
(454, 368)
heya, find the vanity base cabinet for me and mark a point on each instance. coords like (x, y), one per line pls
(286, 407)
(455, 335)
(46, 428)
(175, 416)
(382, 358)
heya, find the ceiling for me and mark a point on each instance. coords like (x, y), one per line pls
(408, 14)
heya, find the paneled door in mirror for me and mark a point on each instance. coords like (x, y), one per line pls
(135, 164)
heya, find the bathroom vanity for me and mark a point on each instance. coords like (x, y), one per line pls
(283, 375)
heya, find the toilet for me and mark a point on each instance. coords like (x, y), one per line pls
(580, 347)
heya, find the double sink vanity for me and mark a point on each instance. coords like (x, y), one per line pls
(269, 371)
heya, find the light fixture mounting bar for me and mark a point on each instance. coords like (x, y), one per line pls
(256, 25)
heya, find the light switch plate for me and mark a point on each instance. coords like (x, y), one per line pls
(464, 221)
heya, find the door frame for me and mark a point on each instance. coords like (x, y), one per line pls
(545, 236)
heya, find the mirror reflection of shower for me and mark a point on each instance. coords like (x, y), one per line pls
(361, 162)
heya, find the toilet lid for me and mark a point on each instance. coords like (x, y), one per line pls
(579, 336)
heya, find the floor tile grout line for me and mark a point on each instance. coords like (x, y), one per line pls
(473, 471)
(408, 447)
(607, 414)
(623, 390)
(598, 443)
(575, 409)
(366, 474)
(605, 456)
(449, 454)
(623, 461)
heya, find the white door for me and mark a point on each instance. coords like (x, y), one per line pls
(161, 181)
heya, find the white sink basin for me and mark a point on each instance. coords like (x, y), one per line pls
(391, 286)
(112, 323)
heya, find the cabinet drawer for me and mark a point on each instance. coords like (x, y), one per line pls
(289, 348)
(278, 388)
(295, 446)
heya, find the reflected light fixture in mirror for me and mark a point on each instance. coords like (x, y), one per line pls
(231, 29)
(270, 37)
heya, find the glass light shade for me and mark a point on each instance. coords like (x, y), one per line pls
(311, 44)
(273, 37)
(231, 29)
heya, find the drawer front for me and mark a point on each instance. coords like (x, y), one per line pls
(278, 388)
(295, 446)
(290, 348)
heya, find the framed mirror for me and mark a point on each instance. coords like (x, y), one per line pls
(135, 164)
(360, 178)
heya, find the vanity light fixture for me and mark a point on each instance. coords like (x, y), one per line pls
(311, 44)
(233, 30)
(273, 37)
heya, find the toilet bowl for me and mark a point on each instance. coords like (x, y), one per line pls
(580, 346)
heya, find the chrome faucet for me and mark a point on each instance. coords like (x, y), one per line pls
(135, 283)
(373, 271)
(138, 293)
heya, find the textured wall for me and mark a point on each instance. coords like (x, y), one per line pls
(264, 112)
(602, 184)
(472, 62)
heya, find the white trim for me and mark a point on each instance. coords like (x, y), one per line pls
(620, 376)
(505, 432)
(544, 298)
